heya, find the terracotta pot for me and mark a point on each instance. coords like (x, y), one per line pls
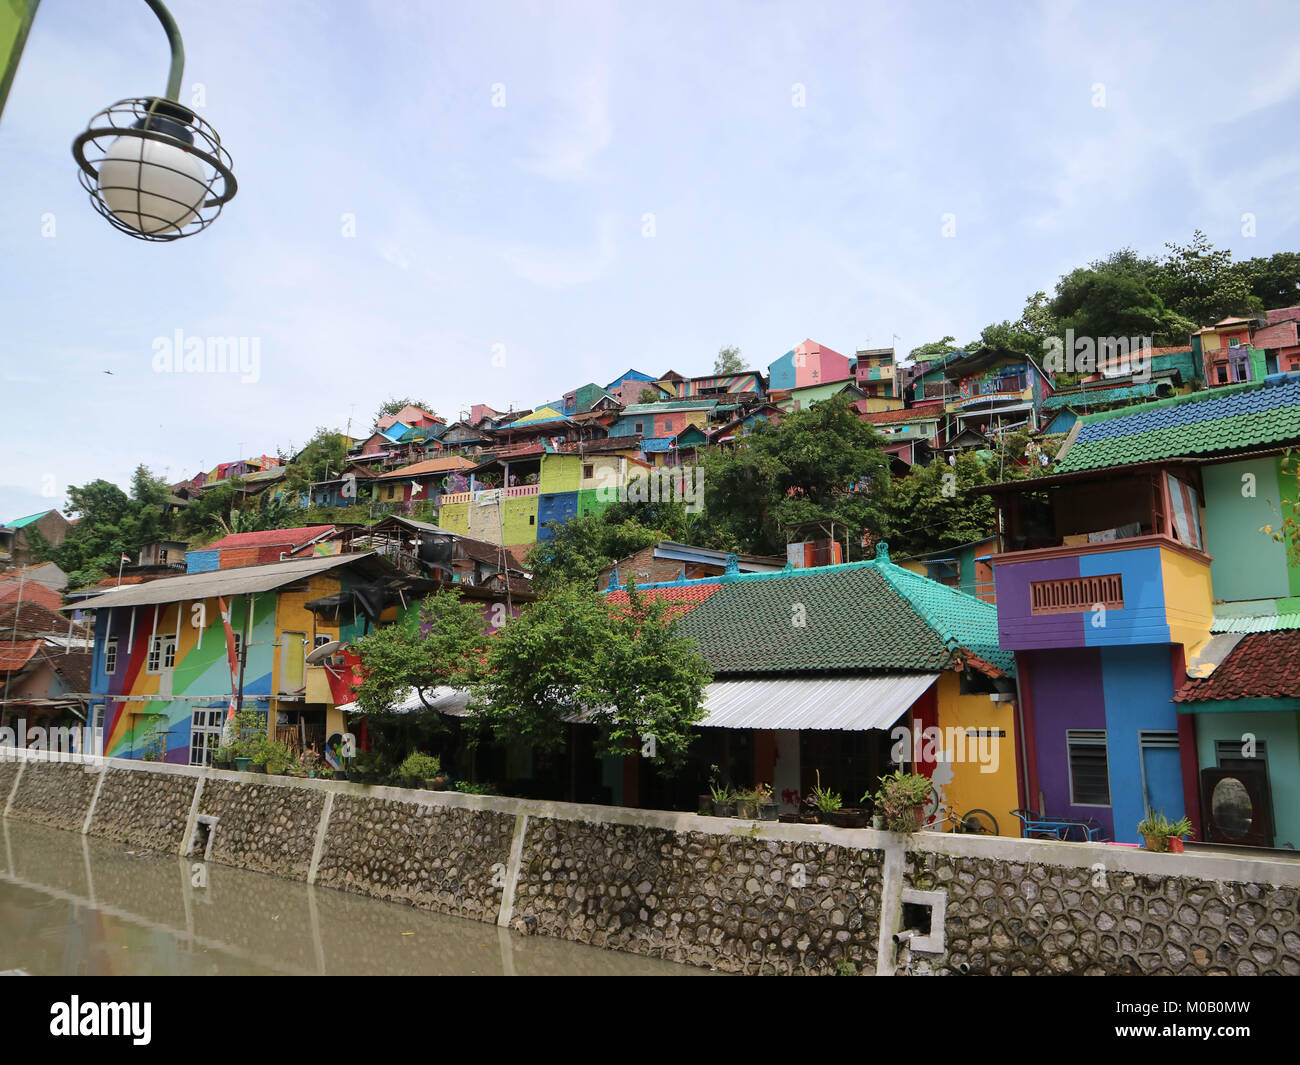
(1156, 843)
(1175, 844)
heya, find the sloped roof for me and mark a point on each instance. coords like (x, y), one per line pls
(904, 414)
(18, 523)
(237, 580)
(669, 405)
(541, 414)
(1218, 420)
(427, 467)
(1098, 394)
(269, 537)
(856, 617)
(1263, 665)
(14, 655)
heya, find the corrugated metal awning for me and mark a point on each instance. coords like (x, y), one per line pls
(832, 703)
(233, 581)
(852, 704)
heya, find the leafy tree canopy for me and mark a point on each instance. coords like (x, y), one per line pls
(625, 670)
(931, 507)
(821, 465)
(728, 361)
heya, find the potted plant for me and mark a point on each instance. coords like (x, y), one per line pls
(1162, 835)
(824, 801)
(768, 808)
(747, 804)
(900, 802)
(1178, 830)
(723, 803)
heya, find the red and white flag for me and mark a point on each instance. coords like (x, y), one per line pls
(232, 659)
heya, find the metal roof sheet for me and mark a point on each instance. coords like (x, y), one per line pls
(831, 703)
(235, 581)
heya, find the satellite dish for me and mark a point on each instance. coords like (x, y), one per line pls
(323, 652)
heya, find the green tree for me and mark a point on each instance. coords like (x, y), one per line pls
(322, 458)
(1274, 281)
(582, 546)
(1202, 284)
(932, 507)
(1115, 303)
(936, 349)
(441, 644)
(728, 361)
(624, 670)
(821, 465)
(649, 395)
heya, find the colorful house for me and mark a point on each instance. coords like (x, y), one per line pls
(809, 364)
(995, 389)
(161, 680)
(876, 374)
(628, 386)
(836, 673)
(1227, 354)
(746, 383)
(1137, 573)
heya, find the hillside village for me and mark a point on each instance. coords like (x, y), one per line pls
(1092, 651)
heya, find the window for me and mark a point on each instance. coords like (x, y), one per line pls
(1089, 769)
(668, 424)
(532, 519)
(205, 734)
(1235, 342)
(162, 654)
(588, 471)
(110, 656)
(638, 427)
(321, 639)
(1221, 375)
(1074, 595)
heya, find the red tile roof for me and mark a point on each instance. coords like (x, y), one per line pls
(1264, 665)
(427, 467)
(678, 600)
(32, 618)
(907, 414)
(30, 592)
(15, 655)
(270, 538)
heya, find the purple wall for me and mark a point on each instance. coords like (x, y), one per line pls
(1067, 693)
(1017, 628)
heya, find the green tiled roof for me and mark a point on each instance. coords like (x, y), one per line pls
(1096, 396)
(670, 404)
(857, 617)
(18, 523)
(1218, 420)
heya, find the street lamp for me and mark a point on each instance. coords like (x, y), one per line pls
(152, 167)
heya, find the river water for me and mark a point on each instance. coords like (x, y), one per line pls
(74, 905)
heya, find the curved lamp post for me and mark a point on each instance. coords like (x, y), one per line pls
(152, 167)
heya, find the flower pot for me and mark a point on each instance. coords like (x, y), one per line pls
(705, 804)
(918, 816)
(745, 808)
(241, 764)
(437, 784)
(255, 768)
(809, 819)
(769, 811)
(724, 809)
(1156, 843)
(1175, 844)
(340, 775)
(877, 822)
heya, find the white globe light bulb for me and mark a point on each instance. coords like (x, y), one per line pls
(151, 186)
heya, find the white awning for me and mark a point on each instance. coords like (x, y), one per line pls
(852, 704)
(832, 703)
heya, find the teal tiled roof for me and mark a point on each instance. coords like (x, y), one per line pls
(856, 617)
(1218, 420)
(1096, 396)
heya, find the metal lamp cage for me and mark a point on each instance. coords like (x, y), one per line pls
(155, 119)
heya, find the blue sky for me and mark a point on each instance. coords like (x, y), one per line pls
(518, 231)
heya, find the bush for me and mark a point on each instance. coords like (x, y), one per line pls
(273, 754)
(419, 766)
(899, 795)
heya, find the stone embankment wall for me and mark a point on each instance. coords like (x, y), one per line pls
(735, 895)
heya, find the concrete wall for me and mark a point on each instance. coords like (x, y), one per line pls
(739, 896)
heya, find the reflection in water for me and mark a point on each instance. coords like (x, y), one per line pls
(73, 905)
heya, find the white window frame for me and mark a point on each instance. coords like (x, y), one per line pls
(202, 725)
(110, 656)
(162, 653)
